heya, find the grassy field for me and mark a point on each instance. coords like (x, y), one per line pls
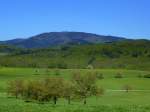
(113, 100)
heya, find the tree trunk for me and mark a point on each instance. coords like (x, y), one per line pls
(55, 100)
(85, 101)
(69, 100)
(127, 90)
(16, 96)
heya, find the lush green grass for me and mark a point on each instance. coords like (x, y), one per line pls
(112, 100)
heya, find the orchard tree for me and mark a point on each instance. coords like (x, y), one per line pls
(85, 85)
(55, 87)
(16, 88)
(68, 91)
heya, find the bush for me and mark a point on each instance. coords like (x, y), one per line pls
(99, 76)
(36, 72)
(62, 65)
(127, 88)
(57, 72)
(118, 75)
(140, 76)
(147, 76)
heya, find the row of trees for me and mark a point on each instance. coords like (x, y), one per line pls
(53, 88)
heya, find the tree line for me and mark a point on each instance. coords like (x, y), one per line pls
(51, 89)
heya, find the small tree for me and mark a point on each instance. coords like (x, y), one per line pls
(55, 88)
(127, 88)
(57, 72)
(36, 72)
(85, 85)
(99, 75)
(16, 88)
(68, 91)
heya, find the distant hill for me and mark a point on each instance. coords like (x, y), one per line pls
(61, 38)
(126, 54)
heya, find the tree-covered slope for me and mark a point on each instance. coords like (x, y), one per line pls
(126, 54)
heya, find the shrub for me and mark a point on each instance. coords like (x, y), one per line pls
(140, 76)
(62, 65)
(36, 72)
(127, 88)
(118, 75)
(57, 72)
(99, 76)
(147, 76)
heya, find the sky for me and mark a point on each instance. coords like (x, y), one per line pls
(25, 18)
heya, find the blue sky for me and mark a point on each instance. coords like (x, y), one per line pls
(24, 18)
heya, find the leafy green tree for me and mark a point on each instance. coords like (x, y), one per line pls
(68, 91)
(55, 88)
(16, 88)
(85, 85)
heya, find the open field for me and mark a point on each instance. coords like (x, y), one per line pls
(113, 100)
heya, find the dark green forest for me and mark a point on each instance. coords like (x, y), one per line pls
(133, 54)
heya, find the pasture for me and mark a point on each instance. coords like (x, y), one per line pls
(115, 99)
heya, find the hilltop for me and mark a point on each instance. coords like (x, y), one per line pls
(61, 38)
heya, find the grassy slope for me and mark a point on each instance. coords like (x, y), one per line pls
(111, 101)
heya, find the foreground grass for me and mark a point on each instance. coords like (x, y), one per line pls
(104, 104)
(47, 108)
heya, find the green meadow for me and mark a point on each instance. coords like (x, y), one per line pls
(114, 99)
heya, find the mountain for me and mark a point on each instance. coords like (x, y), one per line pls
(61, 38)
